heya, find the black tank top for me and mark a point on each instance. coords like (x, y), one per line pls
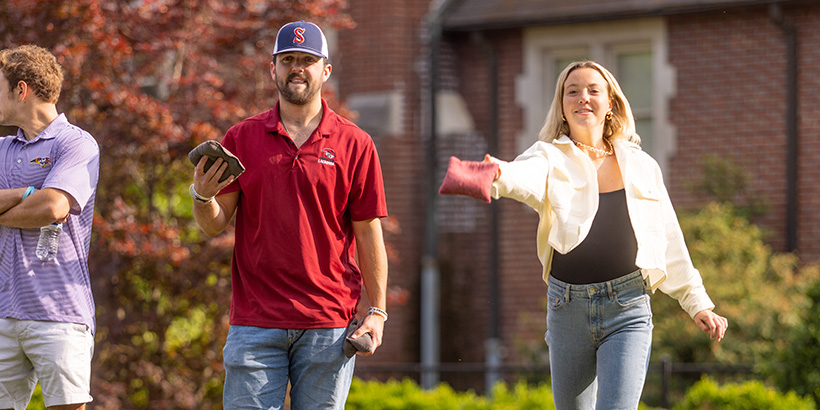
(608, 252)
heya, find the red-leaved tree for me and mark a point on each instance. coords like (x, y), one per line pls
(150, 79)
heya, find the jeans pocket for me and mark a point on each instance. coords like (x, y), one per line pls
(631, 297)
(555, 299)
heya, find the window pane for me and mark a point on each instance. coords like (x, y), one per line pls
(635, 76)
(563, 61)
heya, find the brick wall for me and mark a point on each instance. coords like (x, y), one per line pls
(521, 289)
(387, 51)
(382, 54)
(808, 21)
(731, 102)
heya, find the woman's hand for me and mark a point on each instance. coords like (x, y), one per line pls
(712, 323)
(490, 158)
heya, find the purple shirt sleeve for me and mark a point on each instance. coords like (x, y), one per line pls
(76, 169)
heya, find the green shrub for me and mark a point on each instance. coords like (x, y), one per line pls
(707, 395)
(725, 181)
(760, 291)
(36, 402)
(521, 396)
(800, 369)
(407, 395)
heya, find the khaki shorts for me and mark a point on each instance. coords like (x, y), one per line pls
(55, 353)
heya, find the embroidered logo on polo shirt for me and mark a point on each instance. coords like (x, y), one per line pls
(328, 157)
(41, 161)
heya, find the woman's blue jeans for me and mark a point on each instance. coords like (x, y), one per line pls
(599, 339)
(259, 363)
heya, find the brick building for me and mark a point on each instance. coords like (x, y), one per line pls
(734, 79)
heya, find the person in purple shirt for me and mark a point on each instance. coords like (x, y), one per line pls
(48, 174)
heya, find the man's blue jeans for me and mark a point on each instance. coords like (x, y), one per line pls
(259, 362)
(599, 338)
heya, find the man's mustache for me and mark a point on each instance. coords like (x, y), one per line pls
(301, 77)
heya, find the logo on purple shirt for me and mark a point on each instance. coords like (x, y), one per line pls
(42, 161)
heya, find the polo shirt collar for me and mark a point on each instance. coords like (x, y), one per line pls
(327, 126)
(51, 130)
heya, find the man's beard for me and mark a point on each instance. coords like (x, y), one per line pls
(297, 97)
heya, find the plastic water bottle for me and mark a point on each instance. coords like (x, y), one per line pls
(48, 242)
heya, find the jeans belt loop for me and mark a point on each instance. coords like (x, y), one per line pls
(567, 292)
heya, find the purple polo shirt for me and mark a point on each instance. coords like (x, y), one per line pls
(64, 157)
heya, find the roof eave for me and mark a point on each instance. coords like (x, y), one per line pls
(453, 24)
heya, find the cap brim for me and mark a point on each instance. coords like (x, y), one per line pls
(301, 50)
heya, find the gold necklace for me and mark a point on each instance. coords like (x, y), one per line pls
(600, 152)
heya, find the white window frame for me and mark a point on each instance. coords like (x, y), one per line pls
(601, 40)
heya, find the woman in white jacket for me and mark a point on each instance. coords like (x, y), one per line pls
(607, 237)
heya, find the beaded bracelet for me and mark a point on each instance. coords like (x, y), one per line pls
(376, 311)
(197, 196)
(29, 191)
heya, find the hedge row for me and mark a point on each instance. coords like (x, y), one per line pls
(407, 395)
(704, 395)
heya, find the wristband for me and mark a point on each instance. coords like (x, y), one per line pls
(197, 196)
(376, 311)
(30, 190)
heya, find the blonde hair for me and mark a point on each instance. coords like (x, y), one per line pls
(35, 66)
(620, 126)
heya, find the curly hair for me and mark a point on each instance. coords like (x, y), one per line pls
(35, 66)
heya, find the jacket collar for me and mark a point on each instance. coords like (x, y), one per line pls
(564, 143)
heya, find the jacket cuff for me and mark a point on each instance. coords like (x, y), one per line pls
(496, 190)
(695, 304)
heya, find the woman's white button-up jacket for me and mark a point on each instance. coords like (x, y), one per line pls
(560, 183)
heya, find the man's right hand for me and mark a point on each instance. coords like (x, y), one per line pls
(207, 183)
(213, 219)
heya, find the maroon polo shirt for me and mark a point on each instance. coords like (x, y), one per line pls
(293, 263)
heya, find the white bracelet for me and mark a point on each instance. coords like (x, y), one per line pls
(197, 196)
(376, 311)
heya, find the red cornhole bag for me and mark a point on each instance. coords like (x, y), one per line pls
(471, 178)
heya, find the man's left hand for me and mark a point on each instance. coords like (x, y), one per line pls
(374, 325)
